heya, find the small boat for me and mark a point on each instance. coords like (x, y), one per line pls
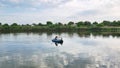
(57, 40)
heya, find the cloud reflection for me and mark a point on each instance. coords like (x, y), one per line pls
(76, 52)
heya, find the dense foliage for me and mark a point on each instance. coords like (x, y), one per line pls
(60, 27)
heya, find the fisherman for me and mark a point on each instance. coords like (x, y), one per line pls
(56, 37)
(57, 40)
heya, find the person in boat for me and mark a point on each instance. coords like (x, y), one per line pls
(58, 42)
(56, 37)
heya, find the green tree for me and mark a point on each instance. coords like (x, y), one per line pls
(14, 24)
(0, 23)
(15, 27)
(115, 23)
(106, 23)
(118, 22)
(60, 24)
(80, 23)
(49, 23)
(95, 23)
(33, 24)
(70, 23)
(5, 27)
(40, 24)
(87, 23)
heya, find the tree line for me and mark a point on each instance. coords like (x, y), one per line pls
(57, 27)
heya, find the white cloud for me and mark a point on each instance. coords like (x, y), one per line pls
(2, 5)
(46, 2)
(66, 10)
(16, 1)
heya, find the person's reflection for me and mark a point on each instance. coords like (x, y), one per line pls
(57, 43)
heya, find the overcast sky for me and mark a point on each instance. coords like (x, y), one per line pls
(35, 11)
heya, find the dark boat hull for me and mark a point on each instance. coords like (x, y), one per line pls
(57, 41)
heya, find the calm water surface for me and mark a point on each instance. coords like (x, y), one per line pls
(35, 50)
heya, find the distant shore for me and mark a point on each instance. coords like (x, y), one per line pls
(105, 26)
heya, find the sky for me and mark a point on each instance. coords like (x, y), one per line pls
(40, 11)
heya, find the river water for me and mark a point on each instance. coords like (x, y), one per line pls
(36, 50)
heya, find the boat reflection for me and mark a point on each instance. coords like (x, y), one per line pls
(57, 42)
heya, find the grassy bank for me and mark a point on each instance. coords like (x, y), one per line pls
(105, 26)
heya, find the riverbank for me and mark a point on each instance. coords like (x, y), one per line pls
(58, 29)
(105, 26)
